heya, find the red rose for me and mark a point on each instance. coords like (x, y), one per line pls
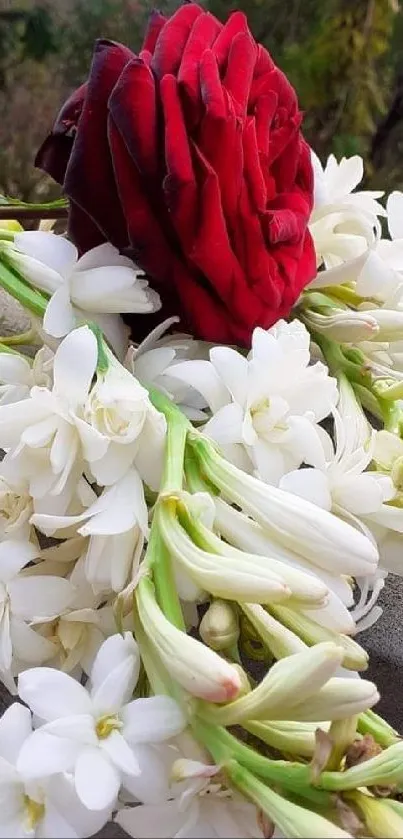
(189, 156)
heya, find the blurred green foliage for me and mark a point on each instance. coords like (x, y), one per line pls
(345, 58)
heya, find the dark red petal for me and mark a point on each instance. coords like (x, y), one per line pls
(236, 23)
(90, 179)
(203, 34)
(239, 74)
(210, 86)
(133, 107)
(172, 40)
(53, 156)
(146, 238)
(252, 168)
(179, 186)
(220, 141)
(156, 22)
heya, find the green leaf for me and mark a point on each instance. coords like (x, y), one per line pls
(59, 203)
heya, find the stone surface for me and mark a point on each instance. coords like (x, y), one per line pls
(13, 319)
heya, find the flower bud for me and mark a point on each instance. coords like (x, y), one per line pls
(199, 670)
(241, 577)
(343, 326)
(280, 640)
(219, 627)
(316, 534)
(383, 817)
(390, 324)
(385, 769)
(297, 738)
(289, 684)
(355, 657)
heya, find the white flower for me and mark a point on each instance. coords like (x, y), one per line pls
(344, 223)
(98, 734)
(119, 409)
(15, 509)
(47, 809)
(18, 374)
(381, 277)
(335, 184)
(42, 432)
(266, 407)
(345, 485)
(100, 285)
(56, 434)
(201, 805)
(152, 360)
(80, 631)
(23, 598)
(116, 523)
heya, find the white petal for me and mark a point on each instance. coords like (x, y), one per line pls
(310, 484)
(29, 646)
(42, 754)
(15, 727)
(121, 508)
(54, 824)
(79, 728)
(114, 464)
(102, 257)
(53, 250)
(14, 555)
(156, 821)
(226, 425)
(96, 289)
(152, 785)
(394, 209)
(52, 694)
(152, 720)
(59, 318)
(202, 376)
(14, 369)
(34, 597)
(232, 367)
(114, 651)
(120, 753)
(116, 332)
(116, 689)
(62, 794)
(269, 461)
(96, 779)
(74, 365)
(17, 417)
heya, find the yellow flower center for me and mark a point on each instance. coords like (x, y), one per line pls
(107, 724)
(34, 812)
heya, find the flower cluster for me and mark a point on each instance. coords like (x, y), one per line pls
(192, 534)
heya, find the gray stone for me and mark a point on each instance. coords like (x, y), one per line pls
(13, 318)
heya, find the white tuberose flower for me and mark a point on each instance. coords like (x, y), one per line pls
(22, 599)
(99, 734)
(344, 223)
(381, 276)
(266, 407)
(102, 282)
(18, 375)
(45, 809)
(201, 806)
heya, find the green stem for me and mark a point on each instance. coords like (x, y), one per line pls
(224, 747)
(16, 286)
(157, 555)
(6, 349)
(371, 723)
(160, 563)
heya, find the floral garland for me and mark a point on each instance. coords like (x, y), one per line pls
(184, 645)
